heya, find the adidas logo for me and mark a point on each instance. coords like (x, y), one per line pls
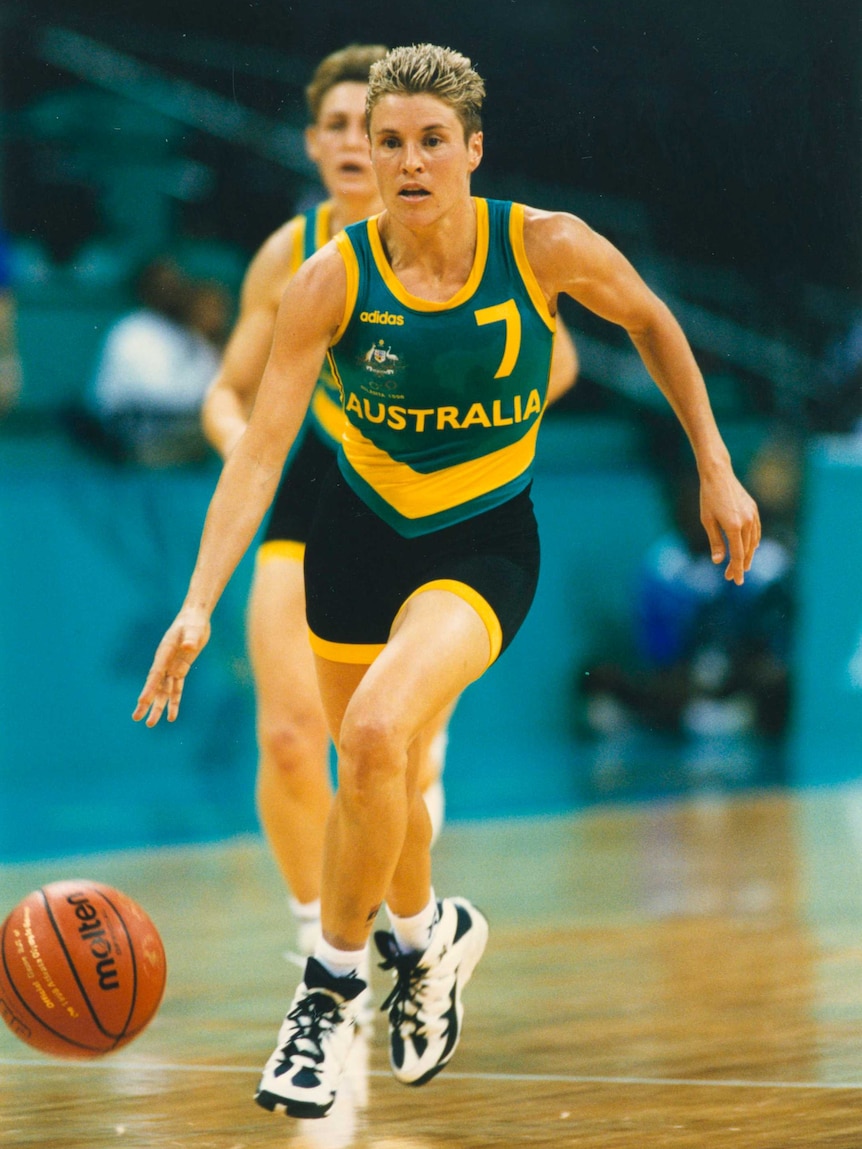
(381, 317)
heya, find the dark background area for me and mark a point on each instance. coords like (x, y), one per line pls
(736, 124)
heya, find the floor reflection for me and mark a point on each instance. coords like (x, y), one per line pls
(342, 1124)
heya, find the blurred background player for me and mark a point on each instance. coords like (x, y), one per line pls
(294, 790)
(293, 784)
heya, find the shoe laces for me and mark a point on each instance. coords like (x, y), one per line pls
(314, 1017)
(416, 997)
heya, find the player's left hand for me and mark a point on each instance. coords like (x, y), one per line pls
(183, 642)
(727, 511)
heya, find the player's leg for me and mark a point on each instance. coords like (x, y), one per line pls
(293, 782)
(429, 614)
(293, 785)
(439, 645)
(378, 827)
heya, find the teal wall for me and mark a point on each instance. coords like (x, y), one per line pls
(96, 560)
(59, 342)
(513, 747)
(826, 744)
(94, 564)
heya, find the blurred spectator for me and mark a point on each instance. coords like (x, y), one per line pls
(710, 658)
(775, 479)
(835, 400)
(155, 367)
(209, 311)
(10, 364)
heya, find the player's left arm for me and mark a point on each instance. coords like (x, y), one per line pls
(568, 256)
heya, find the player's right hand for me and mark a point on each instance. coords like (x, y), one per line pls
(183, 642)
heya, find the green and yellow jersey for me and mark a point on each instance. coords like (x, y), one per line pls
(443, 400)
(324, 412)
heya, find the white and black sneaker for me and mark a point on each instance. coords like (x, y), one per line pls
(425, 1010)
(302, 1075)
(365, 1017)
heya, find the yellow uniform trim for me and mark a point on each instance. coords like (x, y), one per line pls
(516, 238)
(297, 251)
(472, 597)
(351, 267)
(328, 414)
(415, 495)
(362, 654)
(321, 230)
(365, 653)
(504, 313)
(400, 291)
(280, 549)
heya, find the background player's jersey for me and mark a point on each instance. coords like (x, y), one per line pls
(443, 400)
(324, 412)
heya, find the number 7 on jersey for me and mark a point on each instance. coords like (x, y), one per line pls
(504, 313)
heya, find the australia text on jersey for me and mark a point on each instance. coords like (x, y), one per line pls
(424, 419)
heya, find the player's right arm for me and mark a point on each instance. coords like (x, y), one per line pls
(308, 318)
(231, 396)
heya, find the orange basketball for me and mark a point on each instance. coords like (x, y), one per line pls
(82, 969)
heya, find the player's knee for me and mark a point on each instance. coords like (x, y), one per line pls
(293, 746)
(373, 748)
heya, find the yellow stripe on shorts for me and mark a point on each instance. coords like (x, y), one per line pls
(280, 549)
(472, 597)
(362, 654)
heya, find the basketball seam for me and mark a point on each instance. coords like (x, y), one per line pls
(113, 1036)
(29, 1009)
(134, 958)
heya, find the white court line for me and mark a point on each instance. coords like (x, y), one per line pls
(533, 1078)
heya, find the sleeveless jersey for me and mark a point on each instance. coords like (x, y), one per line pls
(443, 400)
(324, 411)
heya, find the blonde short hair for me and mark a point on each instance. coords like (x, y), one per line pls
(428, 68)
(348, 65)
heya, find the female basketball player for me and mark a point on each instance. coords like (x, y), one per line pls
(438, 322)
(293, 787)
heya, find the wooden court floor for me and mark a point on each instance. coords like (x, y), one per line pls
(685, 974)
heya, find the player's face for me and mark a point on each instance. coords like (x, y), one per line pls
(422, 161)
(338, 144)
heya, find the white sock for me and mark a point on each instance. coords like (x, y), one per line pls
(305, 911)
(340, 963)
(307, 918)
(435, 802)
(413, 934)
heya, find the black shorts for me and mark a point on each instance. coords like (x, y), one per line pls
(295, 501)
(359, 572)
